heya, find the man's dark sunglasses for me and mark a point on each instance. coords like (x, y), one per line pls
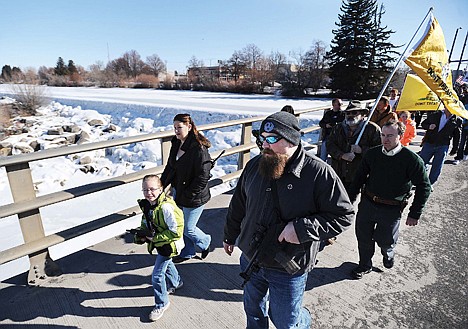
(269, 139)
(352, 112)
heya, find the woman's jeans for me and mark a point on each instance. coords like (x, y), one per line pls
(439, 152)
(323, 150)
(193, 236)
(275, 294)
(163, 269)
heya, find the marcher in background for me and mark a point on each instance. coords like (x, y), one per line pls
(285, 202)
(330, 119)
(418, 117)
(288, 108)
(393, 100)
(188, 171)
(462, 153)
(387, 175)
(340, 144)
(383, 112)
(256, 132)
(162, 224)
(410, 128)
(441, 128)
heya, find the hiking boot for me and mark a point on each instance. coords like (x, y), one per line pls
(172, 290)
(388, 262)
(157, 313)
(359, 272)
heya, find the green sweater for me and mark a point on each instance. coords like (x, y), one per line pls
(391, 177)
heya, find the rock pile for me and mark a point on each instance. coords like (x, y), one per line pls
(46, 130)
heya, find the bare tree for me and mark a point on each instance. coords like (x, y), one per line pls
(30, 96)
(30, 76)
(135, 64)
(251, 55)
(236, 65)
(278, 63)
(195, 72)
(155, 64)
(315, 65)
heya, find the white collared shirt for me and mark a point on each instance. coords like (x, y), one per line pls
(443, 120)
(393, 151)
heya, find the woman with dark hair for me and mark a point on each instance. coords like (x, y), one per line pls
(188, 171)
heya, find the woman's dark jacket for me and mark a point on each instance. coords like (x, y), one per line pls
(189, 174)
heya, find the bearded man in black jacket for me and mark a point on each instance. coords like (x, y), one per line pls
(286, 188)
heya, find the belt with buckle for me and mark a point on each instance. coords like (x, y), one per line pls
(376, 199)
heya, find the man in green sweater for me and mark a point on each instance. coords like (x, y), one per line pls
(386, 176)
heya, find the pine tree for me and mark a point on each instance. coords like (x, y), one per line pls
(71, 67)
(381, 60)
(6, 73)
(360, 54)
(60, 68)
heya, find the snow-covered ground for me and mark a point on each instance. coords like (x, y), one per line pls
(133, 112)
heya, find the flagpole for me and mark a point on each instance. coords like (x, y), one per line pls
(461, 55)
(453, 43)
(390, 78)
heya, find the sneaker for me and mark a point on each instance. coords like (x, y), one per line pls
(205, 252)
(178, 259)
(465, 157)
(359, 272)
(455, 162)
(157, 313)
(172, 290)
(388, 262)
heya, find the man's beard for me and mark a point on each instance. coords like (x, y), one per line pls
(272, 164)
(352, 121)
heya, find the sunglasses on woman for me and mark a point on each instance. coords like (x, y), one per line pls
(269, 139)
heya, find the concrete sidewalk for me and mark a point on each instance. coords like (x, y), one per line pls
(109, 285)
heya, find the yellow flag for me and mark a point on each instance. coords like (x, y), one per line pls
(429, 61)
(416, 96)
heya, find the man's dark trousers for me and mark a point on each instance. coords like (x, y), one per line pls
(376, 223)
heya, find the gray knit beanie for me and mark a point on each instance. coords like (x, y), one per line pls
(284, 124)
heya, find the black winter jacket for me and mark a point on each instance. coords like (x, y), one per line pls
(189, 174)
(310, 195)
(332, 118)
(452, 129)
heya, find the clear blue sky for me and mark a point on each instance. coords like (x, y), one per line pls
(35, 33)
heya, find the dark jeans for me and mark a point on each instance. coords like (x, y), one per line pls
(376, 223)
(463, 146)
